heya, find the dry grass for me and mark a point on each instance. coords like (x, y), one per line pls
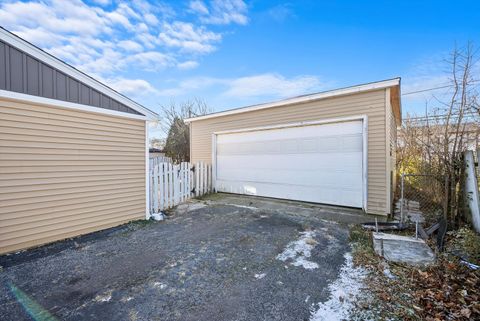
(447, 290)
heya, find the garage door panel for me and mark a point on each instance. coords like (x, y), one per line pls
(295, 177)
(334, 196)
(294, 132)
(283, 146)
(350, 162)
(316, 163)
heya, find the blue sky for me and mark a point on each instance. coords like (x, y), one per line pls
(234, 53)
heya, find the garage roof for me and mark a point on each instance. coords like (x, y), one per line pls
(105, 97)
(395, 82)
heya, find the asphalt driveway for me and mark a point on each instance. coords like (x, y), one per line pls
(224, 258)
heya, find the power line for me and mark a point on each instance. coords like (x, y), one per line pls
(434, 88)
(423, 90)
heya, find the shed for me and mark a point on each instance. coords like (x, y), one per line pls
(335, 147)
(61, 174)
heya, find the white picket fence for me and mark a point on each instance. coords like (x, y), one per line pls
(172, 184)
(159, 159)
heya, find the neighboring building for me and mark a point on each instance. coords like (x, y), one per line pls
(335, 147)
(156, 152)
(61, 174)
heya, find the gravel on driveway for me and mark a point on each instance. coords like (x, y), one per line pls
(224, 258)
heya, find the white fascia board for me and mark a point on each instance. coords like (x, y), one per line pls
(304, 99)
(56, 63)
(14, 96)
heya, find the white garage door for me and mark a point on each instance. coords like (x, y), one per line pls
(317, 163)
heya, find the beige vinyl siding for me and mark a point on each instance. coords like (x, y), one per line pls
(65, 173)
(370, 103)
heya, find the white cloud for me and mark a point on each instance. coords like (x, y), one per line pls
(268, 85)
(121, 42)
(190, 64)
(103, 39)
(198, 7)
(221, 12)
(132, 87)
(151, 60)
(188, 37)
(272, 85)
(130, 45)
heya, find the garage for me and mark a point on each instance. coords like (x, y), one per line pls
(335, 147)
(321, 163)
(61, 173)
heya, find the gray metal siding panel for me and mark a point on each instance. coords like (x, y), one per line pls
(61, 87)
(16, 70)
(95, 98)
(32, 77)
(72, 90)
(104, 102)
(22, 73)
(47, 81)
(84, 94)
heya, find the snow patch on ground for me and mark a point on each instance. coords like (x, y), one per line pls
(243, 206)
(190, 206)
(300, 250)
(343, 293)
(105, 297)
(159, 285)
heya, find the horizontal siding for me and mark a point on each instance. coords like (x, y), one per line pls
(64, 173)
(370, 103)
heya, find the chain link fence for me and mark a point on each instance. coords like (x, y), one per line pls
(421, 198)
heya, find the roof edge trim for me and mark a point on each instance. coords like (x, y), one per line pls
(24, 98)
(305, 98)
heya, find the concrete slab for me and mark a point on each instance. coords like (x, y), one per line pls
(303, 209)
(403, 249)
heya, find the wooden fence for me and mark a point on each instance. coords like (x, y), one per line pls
(172, 184)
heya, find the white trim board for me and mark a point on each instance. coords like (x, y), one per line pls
(363, 118)
(147, 174)
(56, 63)
(14, 96)
(303, 99)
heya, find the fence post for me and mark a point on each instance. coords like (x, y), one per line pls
(401, 198)
(197, 178)
(161, 191)
(471, 189)
(170, 185)
(181, 174)
(155, 189)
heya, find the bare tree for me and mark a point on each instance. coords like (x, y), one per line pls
(434, 143)
(177, 143)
